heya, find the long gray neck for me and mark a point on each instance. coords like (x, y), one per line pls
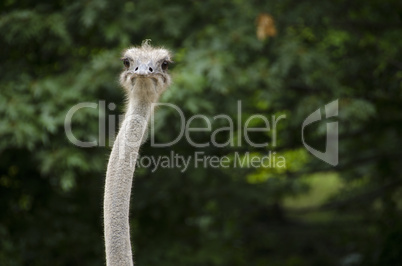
(119, 177)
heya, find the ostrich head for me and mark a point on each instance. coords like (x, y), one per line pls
(145, 75)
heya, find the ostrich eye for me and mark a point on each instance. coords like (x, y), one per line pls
(165, 65)
(126, 62)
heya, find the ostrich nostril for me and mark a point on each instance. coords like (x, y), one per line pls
(150, 69)
(136, 68)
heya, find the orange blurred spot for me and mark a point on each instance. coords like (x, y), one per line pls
(265, 26)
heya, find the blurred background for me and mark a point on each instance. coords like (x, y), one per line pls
(277, 57)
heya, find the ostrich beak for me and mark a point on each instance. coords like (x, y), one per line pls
(143, 70)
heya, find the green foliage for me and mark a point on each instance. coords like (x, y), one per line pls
(56, 54)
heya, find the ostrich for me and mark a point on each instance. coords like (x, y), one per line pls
(144, 79)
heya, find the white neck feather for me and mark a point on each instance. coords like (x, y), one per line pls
(119, 177)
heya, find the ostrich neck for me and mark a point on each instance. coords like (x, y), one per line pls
(119, 177)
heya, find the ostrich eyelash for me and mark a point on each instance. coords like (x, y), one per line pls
(126, 61)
